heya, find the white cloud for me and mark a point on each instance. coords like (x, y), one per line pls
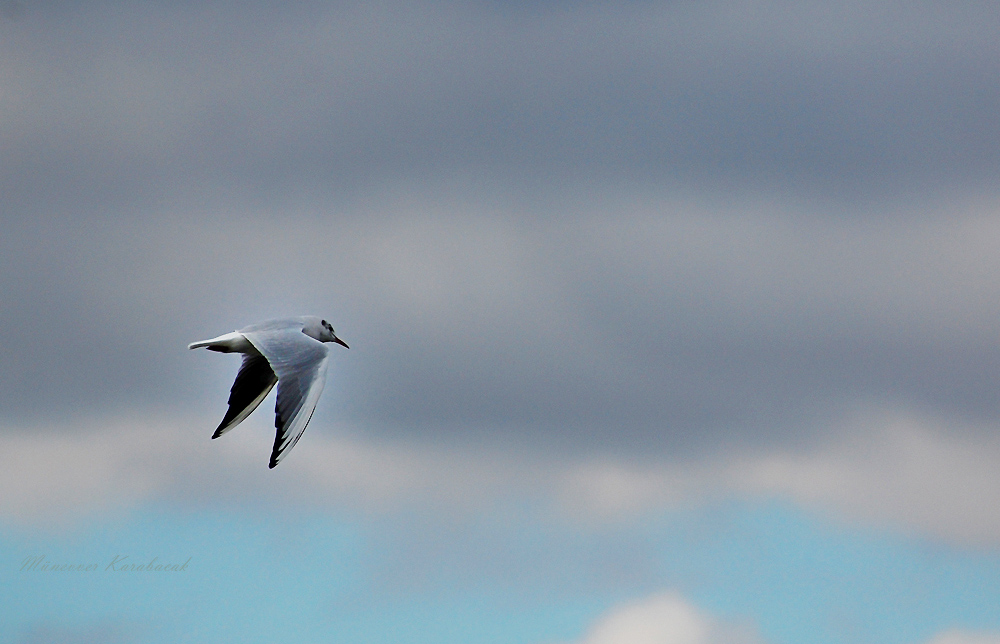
(59, 475)
(895, 470)
(966, 637)
(665, 618)
(888, 470)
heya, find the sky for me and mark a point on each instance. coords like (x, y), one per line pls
(670, 323)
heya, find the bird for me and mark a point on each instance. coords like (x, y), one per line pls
(289, 352)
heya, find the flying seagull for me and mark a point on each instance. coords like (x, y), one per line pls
(290, 352)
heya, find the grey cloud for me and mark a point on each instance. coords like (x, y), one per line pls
(637, 328)
(513, 213)
(811, 98)
(674, 330)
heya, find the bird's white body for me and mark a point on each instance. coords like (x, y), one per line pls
(291, 353)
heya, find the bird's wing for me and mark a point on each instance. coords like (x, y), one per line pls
(300, 364)
(252, 385)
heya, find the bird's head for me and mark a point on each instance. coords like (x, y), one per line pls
(321, 330)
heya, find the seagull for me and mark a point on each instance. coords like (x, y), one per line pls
(289, 352)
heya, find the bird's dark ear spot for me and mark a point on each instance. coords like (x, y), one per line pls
(323, 322)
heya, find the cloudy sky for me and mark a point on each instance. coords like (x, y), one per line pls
(670, 323)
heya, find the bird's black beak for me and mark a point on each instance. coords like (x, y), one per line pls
(340, 342)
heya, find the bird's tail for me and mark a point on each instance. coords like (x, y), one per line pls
(229, 343)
